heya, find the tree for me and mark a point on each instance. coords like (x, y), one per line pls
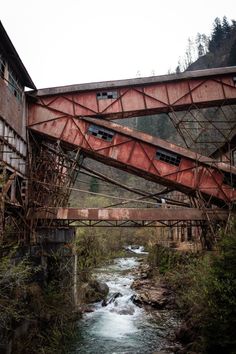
(220, 313)
(205, 42)
(233, 24)
(202, 42)
(226, 27)
(178, 70)
(232, 55)
(94, 185)
(190, 53)
(217, 35)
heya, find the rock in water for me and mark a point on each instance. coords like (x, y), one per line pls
(149, 293)
(111, 299)
(100, 287)
(93, 291)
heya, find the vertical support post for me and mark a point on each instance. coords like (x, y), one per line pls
(75, 276)
(1, 217)
(2, 203)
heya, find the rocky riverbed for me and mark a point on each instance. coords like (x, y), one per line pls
(135, 317)
(151, 291)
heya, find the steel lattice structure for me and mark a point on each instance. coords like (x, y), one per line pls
(201, 106)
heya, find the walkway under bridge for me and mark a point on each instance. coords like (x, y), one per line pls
(128, 217)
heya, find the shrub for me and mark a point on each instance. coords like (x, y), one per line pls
(205, 287)
(220, 312)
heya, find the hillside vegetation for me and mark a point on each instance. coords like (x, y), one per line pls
(213, 51)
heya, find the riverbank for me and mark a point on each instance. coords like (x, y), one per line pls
(122, 325)
(204, 287)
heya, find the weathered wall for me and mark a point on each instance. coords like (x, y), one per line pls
(12, 110)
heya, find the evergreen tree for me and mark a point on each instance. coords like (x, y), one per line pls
(94, 185)
(226, 27)
(178, 70)
(233, 24)
(220, 312)
(232, 55)
(217, 35)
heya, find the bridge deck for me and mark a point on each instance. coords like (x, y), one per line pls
(70, 115)
(135, 97)
(146, 156)
(125, 214)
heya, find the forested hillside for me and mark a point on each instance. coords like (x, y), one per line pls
(216, 50)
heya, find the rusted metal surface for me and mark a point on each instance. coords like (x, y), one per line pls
(13, 148)
(197, 74)
(136, 153)
(126, 214)
(143, 194)
(52, 173)
(155, 141)
(129, 98)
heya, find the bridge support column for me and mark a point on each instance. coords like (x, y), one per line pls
(55, 247)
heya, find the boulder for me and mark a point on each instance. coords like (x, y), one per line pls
(100, 287)
(111, 299)
(150, 293)
(93, 291)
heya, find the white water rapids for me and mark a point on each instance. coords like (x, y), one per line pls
(121, 326)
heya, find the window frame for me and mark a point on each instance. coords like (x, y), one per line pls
(107, 95)
(100, 132)
(169, 157)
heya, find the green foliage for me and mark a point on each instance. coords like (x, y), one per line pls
(47, 308)
(14, 278)
(96, 246)
(205, 287)
(221, 299)
(59, 340)
(221, 31)
(190, 282)
(217, 35)
(94, 185)
(232, 55)
(167, 259)
(157, 125)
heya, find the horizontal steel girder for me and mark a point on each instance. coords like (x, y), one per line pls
(137, 153)
(136, 97)
(129, 214)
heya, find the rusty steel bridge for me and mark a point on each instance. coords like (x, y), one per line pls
(66, 124)
(80, 119)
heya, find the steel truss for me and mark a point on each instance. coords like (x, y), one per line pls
(200, 105)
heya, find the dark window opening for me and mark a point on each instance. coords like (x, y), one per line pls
(13, 83)
(101, 133)
(14, 86)
(229, 179)
(107, 95)
(169, 157)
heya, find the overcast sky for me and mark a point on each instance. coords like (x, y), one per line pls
(65, 42)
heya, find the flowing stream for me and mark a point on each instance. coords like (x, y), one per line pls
(121, 326)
